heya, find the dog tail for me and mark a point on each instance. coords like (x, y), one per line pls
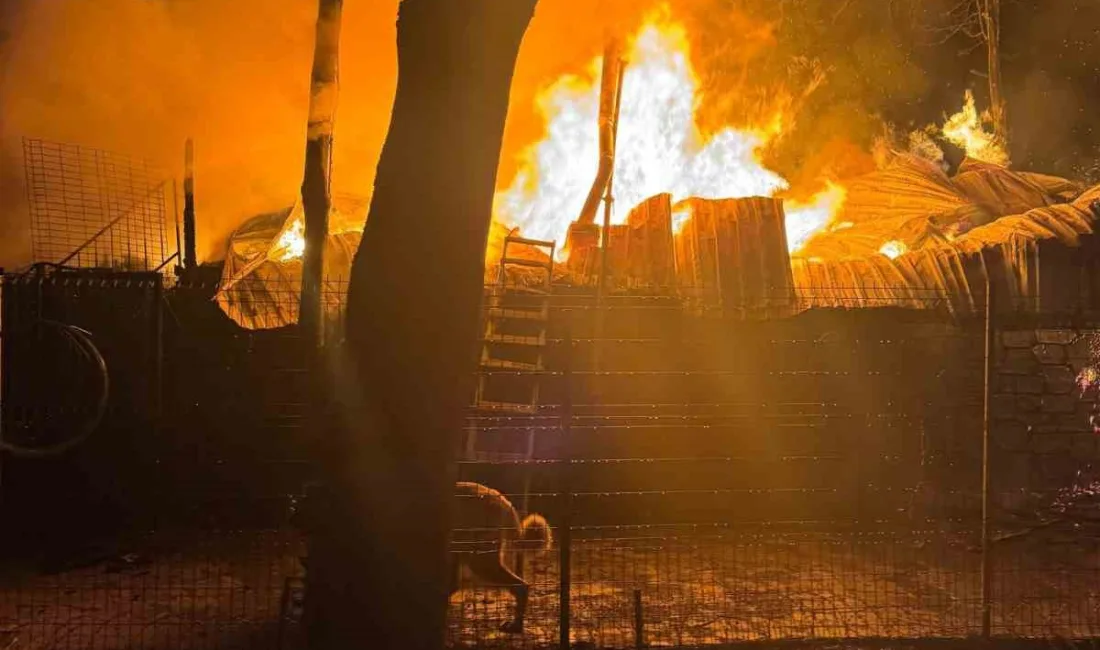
(534, 533)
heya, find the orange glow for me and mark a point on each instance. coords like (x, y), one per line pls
(659, 147)
(894, 249)
(966, 129)
(291, 244)
(680, 216)
(806, 219)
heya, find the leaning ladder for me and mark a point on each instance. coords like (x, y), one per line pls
(514, 340)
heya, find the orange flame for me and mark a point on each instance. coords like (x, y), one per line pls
(806, 219)
(291, 244)
(966, 129)
(659, 147)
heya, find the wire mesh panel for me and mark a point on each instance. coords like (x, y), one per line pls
(93, 208)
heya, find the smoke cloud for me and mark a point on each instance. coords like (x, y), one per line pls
(138, 77)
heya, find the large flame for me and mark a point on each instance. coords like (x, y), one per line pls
(659, 147)
(806, 219)
(966, 129)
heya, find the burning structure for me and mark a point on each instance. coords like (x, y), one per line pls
(700, 216)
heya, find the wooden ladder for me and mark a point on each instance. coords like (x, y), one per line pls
(514, 339)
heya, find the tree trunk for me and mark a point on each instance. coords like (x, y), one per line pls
(989, 13)
(378, 559)
(316, 188)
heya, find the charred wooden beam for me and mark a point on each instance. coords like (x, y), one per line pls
(609, 81)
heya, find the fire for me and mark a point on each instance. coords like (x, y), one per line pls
(966, 129)
(291, 245)
(894, 249)
(680, 216)
(659, 147)
(806, 219)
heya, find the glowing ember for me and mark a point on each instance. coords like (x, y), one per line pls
(894, 249)
(292, 243)
(967, 130)
(1088, 378)
(659, 148)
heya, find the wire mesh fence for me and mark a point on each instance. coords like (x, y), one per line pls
(96, 209)
(819, 477)
(707, 480)
(170, 525)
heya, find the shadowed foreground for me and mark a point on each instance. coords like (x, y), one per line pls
(227, 591)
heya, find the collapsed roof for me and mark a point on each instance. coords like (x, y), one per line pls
(939, 233)
(908, 235)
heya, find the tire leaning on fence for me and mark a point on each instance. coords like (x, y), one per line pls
(57, 389)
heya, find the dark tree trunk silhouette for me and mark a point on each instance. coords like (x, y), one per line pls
(378, 561)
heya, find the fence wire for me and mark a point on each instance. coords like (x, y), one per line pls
(707, 480)
(814, 478)
(96, 209)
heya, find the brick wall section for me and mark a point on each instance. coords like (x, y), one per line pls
(1041, 429)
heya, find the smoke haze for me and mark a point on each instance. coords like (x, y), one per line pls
(140, 76)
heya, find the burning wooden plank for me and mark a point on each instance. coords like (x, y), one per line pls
(736, 250)
(650, 258)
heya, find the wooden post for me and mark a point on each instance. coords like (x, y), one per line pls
(316, 182)
(610, 94)
(986, 572)
(565, 536)
(189, 256)
(176, 222)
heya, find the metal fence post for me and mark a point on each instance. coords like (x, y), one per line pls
(987, 421)
(566, 533)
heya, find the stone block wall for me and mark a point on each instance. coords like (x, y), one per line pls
(1041, 408)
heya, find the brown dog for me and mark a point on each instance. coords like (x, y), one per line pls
(486, 528)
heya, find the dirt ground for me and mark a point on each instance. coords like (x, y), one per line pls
(227, 591)
(706, 591)
(217, 591)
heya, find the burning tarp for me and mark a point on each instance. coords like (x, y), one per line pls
(262, 277)
(908, 236)
(700, 214)
(930, 233)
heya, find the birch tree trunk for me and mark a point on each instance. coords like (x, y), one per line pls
(378, 558)
(989, 14)
(316, 187)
